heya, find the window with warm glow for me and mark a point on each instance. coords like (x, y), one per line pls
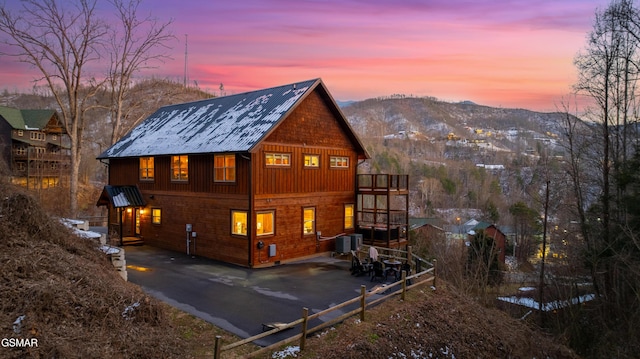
(224, 168)
(264, 223)
(339, 162)
(348, 216)
(311, 161)
(156, 216)
(278, 159)
(309, 221)
(239, 223)
(146, 168)
(179, 168)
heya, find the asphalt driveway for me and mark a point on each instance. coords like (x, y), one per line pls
(239, 300)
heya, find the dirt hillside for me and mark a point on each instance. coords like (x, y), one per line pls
(434, 323)
(61, 291)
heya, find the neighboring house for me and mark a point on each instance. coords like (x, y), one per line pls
(494, 232)
(35, 146)
(428, 228)
(254, 179)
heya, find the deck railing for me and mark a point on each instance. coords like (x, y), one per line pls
(428, 275)
(377, 182)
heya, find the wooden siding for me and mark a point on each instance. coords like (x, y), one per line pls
(288, 238)
(210, 217)
(312, 123)
(126, 172)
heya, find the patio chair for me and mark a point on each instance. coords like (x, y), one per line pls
(357, 268)
(377, 271)
(406, 267)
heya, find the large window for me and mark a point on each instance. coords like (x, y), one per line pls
(146, 168)
(311, 160)
(264, 223)
(348, 216)
(278, 159)
(309, 221)
(225, 168)
(179, 168)
(156, 216)
(239, 223)
(339, 162)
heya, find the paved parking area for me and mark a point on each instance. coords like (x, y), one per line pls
(240, 300)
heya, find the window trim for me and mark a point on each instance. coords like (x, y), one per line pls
(353, 216)
(153, 216)
(246, 221)
(179, 179)
(335, 165)
(146, 169)
(283, 155)
(304, 160)
(313, 221)
(224, 168)
(273, 223)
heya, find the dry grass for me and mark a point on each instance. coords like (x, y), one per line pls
(434, 324)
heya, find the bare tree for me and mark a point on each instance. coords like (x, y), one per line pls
(133, 47)
(60, 41)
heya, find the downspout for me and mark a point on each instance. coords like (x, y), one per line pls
(250, 210)
(356, 208)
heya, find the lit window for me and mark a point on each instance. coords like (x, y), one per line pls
(278, 159)
(224, 168)
(156, 216)
(348, 216)
(146, 168)
(264, 223)
(309, 221)
(20, 133)
(311, 160)
(239, 223)
(339, 162)
(179, 168)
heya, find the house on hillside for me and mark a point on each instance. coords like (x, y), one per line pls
(254, 179)
(494, 232)
(35, 146)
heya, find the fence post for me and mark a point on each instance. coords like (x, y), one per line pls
(216, 350)
(404, 284)
(363, 293)
(409, 255)
(435, 271)
(305, 318)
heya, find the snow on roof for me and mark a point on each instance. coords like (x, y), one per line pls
(223, 124)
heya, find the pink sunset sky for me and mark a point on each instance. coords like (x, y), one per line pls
(496, 53)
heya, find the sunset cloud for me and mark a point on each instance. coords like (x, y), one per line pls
(499, 53)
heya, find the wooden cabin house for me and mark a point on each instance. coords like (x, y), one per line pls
(35, 146)
(254, 179)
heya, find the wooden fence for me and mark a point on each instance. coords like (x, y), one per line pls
(420, 278)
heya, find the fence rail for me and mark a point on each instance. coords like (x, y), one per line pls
(420, 278)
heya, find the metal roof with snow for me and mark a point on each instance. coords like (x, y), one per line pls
(235, 123)
(121, 196)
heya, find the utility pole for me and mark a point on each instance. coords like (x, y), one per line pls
(544, 250)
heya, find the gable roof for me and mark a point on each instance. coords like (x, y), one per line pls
(121, 196)
(26, 119)
(235, 123)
